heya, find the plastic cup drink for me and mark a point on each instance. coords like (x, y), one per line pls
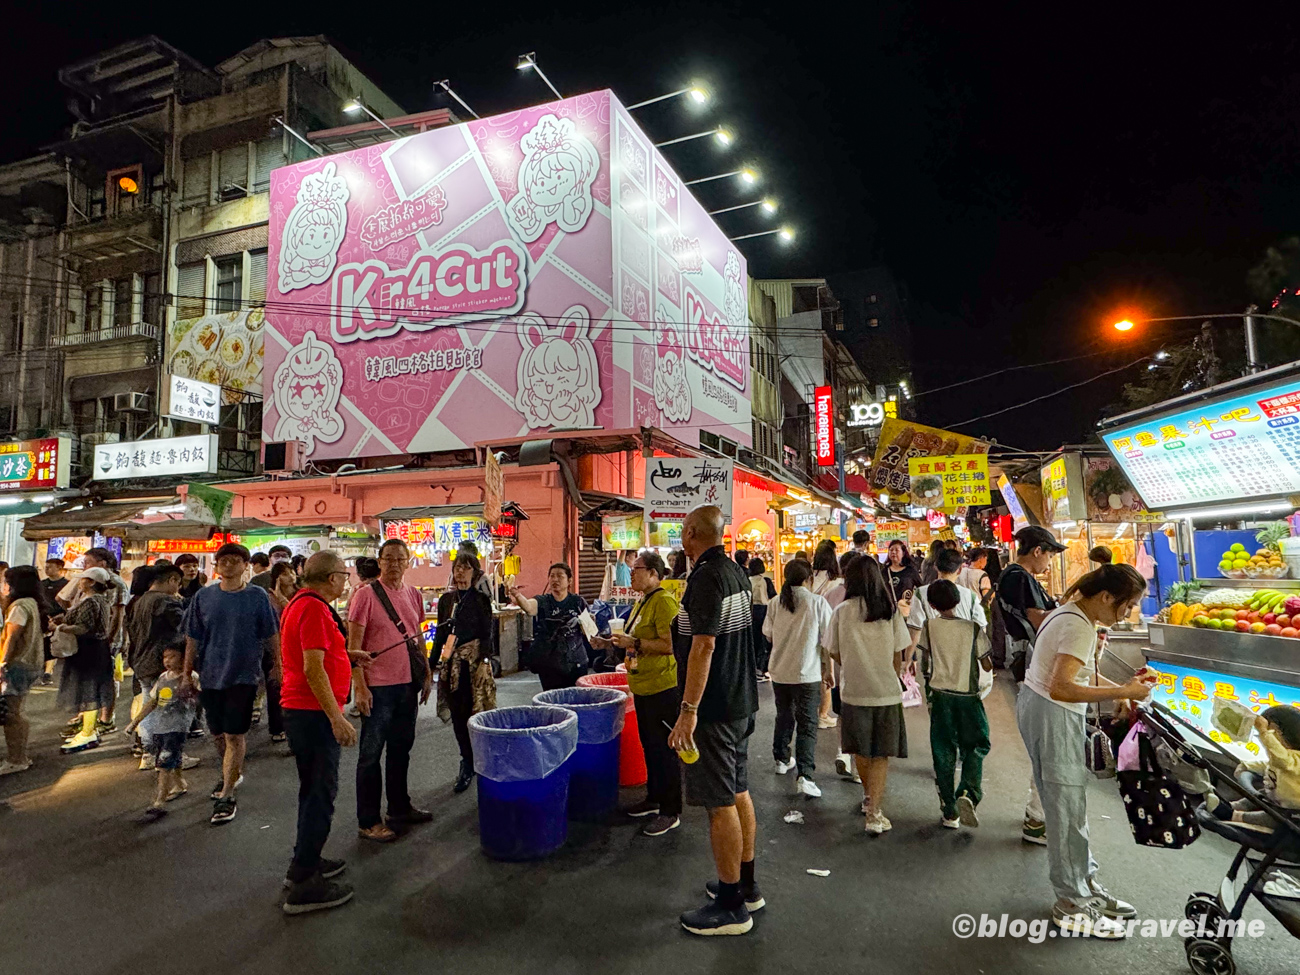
(615, 626)
(688, 755)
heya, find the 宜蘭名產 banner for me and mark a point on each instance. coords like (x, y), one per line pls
(900, 441)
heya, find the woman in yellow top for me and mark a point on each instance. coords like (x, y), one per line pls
(652, 676)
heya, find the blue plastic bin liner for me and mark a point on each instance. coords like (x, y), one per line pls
(522, 744)
(600, 711)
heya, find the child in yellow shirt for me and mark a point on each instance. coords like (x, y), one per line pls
(1279, 732)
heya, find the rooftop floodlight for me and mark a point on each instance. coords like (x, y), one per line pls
(697, 94)
(354, 105)
(529, 60)
(446, 86)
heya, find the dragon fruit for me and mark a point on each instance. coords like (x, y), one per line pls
(1292, 605)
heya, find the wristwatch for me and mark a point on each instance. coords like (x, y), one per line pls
(688, 708)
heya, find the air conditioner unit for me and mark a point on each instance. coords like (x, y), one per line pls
(96, 439)
(232, 191)
(283, 455)
(131, 403)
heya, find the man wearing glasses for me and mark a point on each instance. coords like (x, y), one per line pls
(382, 617)
(227, 627)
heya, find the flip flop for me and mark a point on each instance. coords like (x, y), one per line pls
(152, 815)
(171, 796)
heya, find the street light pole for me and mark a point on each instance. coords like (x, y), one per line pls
(1252, 348)
(1252, 313)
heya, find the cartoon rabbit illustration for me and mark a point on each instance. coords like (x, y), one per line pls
(555, 179)
(314, 230)
(306, 390)
(672, 391)
(558, 379)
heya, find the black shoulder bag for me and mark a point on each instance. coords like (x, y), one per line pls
(414, 643)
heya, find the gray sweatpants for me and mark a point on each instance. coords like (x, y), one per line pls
(1055, 739)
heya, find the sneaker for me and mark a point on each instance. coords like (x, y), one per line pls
(280, 738)
(1111, 905)
(753, 896)
(966, 811)
(79, 743)
(137, 749)
(807, 787)
(829, 721)
(642, 809)
(188, 762)
(1087, 921)
(257, 716)
(711, 919)
(949, 822)
(221, 783)
(197, 732)
(72, 728)
(327, 869)
(845, 766)
(878, 824)
(9, 768)
(105, 727)
(147, 763)
(316, 894)
(47, 679)
(660, 825)
(1034, 831)
(763, 678)
(783, 767)
(352, 711)
(223, 811)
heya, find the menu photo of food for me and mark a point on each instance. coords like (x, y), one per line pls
(224, 348)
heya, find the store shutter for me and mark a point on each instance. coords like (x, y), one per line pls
(196, 181)
(257, 277)
(191, 279)
(270, 155)
(591, 569)
(233, 167)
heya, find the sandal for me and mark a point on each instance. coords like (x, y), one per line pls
(174, 795)
(378, 833)
(152, 815)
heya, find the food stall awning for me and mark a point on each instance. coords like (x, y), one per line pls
(449, 511)
(154, 529)
(79, 516)
(602, 504)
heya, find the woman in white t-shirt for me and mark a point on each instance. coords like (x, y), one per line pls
(867, 637)
(1060, 683)
(827, 582)
(22, 657)
(796, 624)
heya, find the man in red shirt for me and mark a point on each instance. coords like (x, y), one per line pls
(317, 674)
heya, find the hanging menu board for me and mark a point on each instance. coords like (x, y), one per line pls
(1239, 447)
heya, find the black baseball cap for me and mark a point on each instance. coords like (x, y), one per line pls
(1036, 536)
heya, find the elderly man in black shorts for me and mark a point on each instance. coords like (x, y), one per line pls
(713, 643)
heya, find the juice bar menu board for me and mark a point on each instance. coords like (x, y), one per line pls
(1242, 446)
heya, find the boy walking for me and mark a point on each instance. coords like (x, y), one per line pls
(953, 651)
(165, 720)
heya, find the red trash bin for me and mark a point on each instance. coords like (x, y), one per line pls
(631, 757)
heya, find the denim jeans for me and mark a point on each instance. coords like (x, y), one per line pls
(797, 705)
(389, 728)
(317, 753)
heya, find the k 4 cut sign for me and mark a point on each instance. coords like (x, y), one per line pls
(675, 485)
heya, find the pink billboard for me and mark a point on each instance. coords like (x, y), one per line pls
(535, 271)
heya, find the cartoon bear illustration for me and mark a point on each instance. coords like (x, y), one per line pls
(558, 379)
(306, 391)
(314, 230)
(555, 179)
(672, 391)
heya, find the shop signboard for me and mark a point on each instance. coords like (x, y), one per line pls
(223, 349)
(675, 485)
(902, 440)
(619, 532)
(189, 399)
(890, 531)
(536, 270)
(441, 534)
(494, 487)
(206, 504)
(1109, 495)
(192, 546)
(1012, 501)
(1233, 447)
(824, 420)
(807, 521)
(868, 414)
(918, 533)
(167, 457)
(951, 481)
(666, 534)
(1062, 482)
(1190, 693)
(34, 465)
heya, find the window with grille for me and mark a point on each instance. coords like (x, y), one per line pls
(122, 295)
(229, 292)
(257, 277)
(232, 167)
(269, 156)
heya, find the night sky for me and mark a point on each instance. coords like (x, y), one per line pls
(1023, 173)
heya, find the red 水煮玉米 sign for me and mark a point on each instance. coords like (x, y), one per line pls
(823, 418)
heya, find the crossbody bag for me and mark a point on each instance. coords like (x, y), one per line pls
(414, 644)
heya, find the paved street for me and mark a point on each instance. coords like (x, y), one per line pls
(83, 887)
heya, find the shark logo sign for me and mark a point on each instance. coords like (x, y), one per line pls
(675, 485)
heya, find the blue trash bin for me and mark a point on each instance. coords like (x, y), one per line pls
(593, 767)
(521, 757)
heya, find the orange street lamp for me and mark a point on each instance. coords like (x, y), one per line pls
(1248, 318)
(1124, 325)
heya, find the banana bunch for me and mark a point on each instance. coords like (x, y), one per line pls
(1266, 601)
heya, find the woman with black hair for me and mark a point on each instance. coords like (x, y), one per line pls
(677, 564)
(764, 591)
(902, 576)
(463, 642)
(867, 638)
(828, 583)
(22, 657)
(86, 683)
(796, 624)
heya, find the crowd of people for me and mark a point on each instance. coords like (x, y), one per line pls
(842, 641)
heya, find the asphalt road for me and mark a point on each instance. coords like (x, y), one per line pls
(83, 887)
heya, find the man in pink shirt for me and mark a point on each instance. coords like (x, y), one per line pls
(387, 692)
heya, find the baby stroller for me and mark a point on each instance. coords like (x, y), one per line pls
(1263, 855)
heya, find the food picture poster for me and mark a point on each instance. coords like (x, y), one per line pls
(224, 349)
(902, 440)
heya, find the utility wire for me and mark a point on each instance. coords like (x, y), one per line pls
(1057, 392)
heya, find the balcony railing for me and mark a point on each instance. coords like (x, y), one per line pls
(134, 330)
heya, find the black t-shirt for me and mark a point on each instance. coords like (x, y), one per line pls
(557, 636)
(903, 581)
(1019, 591)
(717, 603)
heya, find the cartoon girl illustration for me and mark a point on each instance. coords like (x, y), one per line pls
(734, 301)
(672, 391)
(314, 230)
(555, 179)
(558, 380)
(306, 390)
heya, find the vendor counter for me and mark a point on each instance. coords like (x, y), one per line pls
(514, 627)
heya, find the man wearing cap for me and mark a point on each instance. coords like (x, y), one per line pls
(1024, 605)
